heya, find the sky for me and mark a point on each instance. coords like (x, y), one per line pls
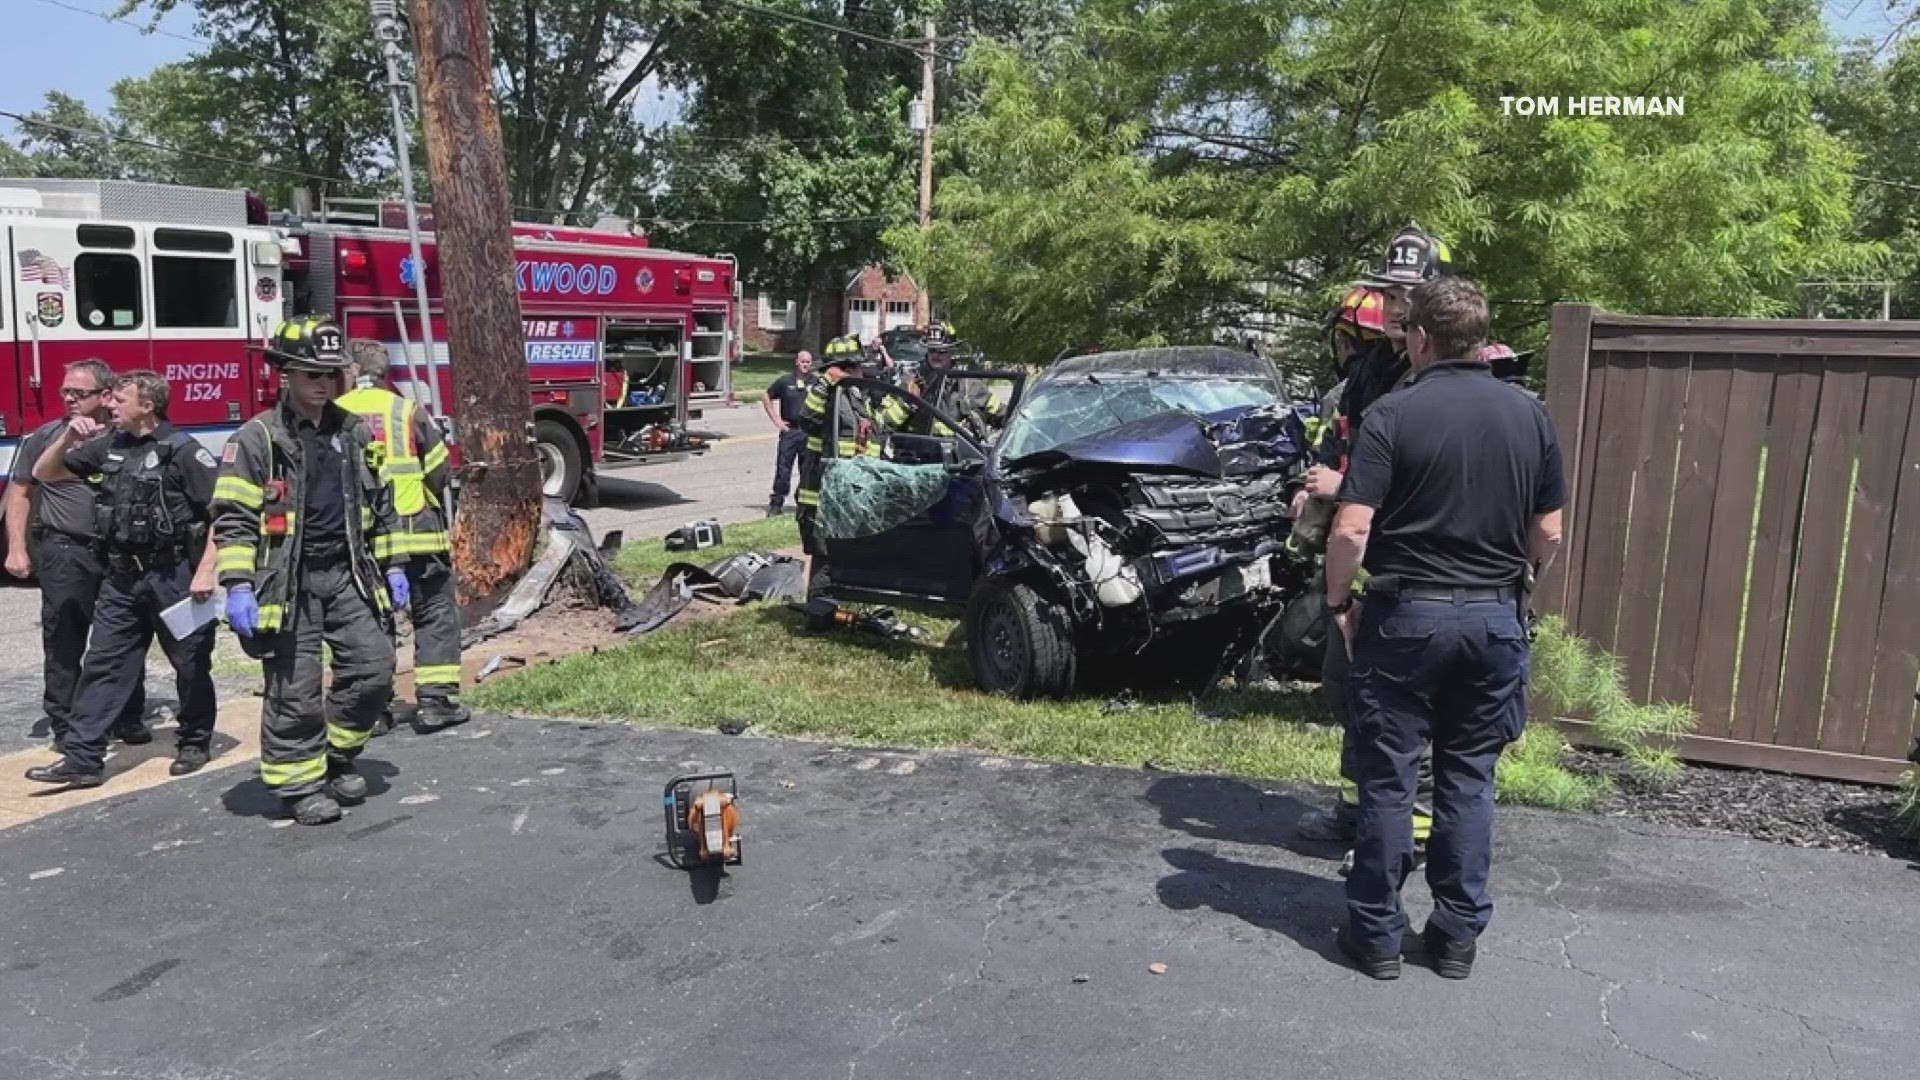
(44, 41)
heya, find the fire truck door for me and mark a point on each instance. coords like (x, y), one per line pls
(79, 292)
(198, 290)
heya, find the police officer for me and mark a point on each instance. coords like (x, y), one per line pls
(1377, 364)
(298, 512)
(59, 518)
(1452, 503)
(154, 489)
(414, 466)
(855, 434)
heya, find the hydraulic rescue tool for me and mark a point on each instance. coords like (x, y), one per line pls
(703, 820)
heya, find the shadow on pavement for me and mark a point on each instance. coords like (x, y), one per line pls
(619, 494)
(252, 798)
(1305, 907)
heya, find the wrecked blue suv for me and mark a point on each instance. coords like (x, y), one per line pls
(1126, 526)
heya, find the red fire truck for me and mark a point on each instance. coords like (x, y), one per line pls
(625, 343)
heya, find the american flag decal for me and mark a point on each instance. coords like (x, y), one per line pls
(37, 267)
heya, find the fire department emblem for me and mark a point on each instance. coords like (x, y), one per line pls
(644, 280)
(53, 308)
(266, 289)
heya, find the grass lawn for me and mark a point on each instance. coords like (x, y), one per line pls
(760, 665)
(642, 561)
(756, 371)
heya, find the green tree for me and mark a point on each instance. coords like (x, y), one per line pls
(1875, 105)
(1176, 166)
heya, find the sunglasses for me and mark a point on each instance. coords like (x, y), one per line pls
(70, 394)
(315, 376)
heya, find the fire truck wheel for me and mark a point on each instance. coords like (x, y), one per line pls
(560, 460)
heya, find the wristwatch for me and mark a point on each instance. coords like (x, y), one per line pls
(1340, 608)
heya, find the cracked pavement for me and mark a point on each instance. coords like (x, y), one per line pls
(496, 910)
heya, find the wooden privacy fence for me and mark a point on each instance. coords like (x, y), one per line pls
(1744, 528)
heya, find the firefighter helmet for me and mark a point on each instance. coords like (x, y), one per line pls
(309, 342)
(841, 351)
(1413, 255)
(1362, 312)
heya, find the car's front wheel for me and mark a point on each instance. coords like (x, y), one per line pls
(1019, 642)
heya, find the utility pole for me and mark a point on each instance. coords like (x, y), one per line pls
(499, 519)
(926, 159)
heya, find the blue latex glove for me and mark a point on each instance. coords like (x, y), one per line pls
(242, 611)
(397, 585)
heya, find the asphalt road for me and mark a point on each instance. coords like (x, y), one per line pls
(497, 911)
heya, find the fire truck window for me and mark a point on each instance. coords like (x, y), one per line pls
(107, 288)
(104, 236)
(194, 293)
(193, 240)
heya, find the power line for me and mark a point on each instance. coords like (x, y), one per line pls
(845, 31)
(122, 20)
(344, 183)
(131, 141)
(1902, 185)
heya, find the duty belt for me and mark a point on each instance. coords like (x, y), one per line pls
(1455, 594)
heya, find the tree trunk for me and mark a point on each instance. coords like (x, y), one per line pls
(498, 517)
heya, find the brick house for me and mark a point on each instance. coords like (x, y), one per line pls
(866, 303)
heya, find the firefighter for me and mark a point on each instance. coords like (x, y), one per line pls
(1375, 367)
(414, 467)
(154, 488)
(298, 513)
(856, 435)
(969, 401)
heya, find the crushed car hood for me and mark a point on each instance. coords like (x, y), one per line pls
(1170, 442)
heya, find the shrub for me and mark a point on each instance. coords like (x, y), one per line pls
(1578, 679)
(1906, 814)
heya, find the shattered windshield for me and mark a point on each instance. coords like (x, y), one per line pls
(1056, 413)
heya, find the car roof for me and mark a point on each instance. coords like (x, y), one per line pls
(1209, 360)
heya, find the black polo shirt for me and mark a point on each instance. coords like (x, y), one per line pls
(1456, 466)
(323, 510)
(64, 506)
(790, 390)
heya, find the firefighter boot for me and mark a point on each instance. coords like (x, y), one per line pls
(441, 712)
(344, 782)
(314, 809)
(1335, 824)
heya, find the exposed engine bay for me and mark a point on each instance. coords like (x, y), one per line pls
(1172, 521)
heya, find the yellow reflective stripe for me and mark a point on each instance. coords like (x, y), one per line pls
(437, 675)
(807, 497)
(399, 430)
(418, 543)
(383, 546)
(1422, 826)
(436, 457)
(271, 616)
(366, 517)
(234, 557)
(288, 773)
(816, 445)
(234, 489)
(342, 738)
(408, 467)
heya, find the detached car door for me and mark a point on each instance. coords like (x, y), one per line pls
(930, 554)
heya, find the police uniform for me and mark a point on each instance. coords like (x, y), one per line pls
(414, 466)
(298, 513)
(1457, 467)
(70, 573)
(152, 506)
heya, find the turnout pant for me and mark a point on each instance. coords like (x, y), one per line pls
(792, 441)
(299, 731)
(1453, 673)
(125, 619)
(70, 575)
(1333, 683)
(436, 628)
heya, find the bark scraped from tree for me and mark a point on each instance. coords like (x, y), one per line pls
(498, 516)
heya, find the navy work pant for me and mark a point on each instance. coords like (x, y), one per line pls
(792, 441)
(70, 575)
(1454, 673)
(125, 620)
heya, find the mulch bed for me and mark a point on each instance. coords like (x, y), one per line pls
(1791, 810)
